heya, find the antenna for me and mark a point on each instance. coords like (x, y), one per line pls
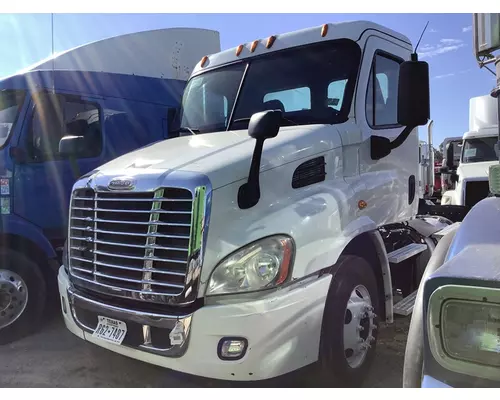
(53, 61)
(414, 56)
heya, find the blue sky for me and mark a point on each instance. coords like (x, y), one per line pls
(447, 45)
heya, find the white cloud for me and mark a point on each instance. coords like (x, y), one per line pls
(444, 46)
(467, 28)
(444, 76)
(449, 75)
(451, 41)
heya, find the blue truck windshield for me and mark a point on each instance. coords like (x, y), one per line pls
(310, 84)
(11, 102)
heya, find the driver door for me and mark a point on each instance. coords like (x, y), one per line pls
(43, 183)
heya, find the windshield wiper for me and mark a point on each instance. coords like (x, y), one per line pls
(187, 129)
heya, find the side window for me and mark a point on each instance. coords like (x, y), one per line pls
(336, 92)
(292, 99)
(382, 94)
(56, 116)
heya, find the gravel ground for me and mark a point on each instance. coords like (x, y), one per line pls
(54, 357)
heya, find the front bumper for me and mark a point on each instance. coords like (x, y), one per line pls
(283, 332)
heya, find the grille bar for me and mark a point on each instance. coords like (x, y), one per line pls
(158, 271)
(134, 245)
(116, 221)
(130, 199)
(137, 242)
(88, 229)
(95, 208)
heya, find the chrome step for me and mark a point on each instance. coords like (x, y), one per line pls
(405, 306)
(446, 230)
(406, 252)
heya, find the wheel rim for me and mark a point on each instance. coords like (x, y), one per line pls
(13, 297)
(359, 326)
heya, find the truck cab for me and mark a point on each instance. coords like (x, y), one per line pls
(477, 153)
(100, 101)
(278, 230)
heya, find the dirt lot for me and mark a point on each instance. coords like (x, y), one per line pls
(56, 358)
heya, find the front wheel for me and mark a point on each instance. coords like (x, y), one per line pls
(22, 296)
(349, 330)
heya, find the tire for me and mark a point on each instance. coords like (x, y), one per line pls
(14, 265)
(340, 366)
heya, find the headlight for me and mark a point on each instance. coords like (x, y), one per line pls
(260, 265)
(464, 329)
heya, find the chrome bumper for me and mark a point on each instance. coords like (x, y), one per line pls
(147, 319)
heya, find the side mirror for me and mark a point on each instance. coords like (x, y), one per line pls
(454, 177)
(413, 93)
(265, 124)
(77, 127)
(450, 156)
(71, 145)
(413, 105)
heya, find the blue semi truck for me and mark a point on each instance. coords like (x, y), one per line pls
(108, 97)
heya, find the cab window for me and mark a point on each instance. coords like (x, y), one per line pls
(56, 116)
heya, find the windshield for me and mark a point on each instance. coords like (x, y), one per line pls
(11, 102)
(479, 149)
(310, 84)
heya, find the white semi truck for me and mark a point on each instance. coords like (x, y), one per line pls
(279, 230)
(477, 155)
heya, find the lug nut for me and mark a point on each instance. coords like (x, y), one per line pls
(359, 328)
(370, 339)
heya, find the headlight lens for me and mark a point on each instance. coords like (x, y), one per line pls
(471, 331)
(260, 265)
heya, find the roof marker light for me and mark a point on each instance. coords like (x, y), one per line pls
(204, 60)
(254, 46)
(239, 49)
(324, 30)
(270, 41)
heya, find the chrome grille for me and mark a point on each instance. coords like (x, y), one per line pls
(136, 241)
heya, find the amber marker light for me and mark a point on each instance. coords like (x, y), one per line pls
(324, 30)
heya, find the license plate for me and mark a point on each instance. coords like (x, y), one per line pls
(111, 330)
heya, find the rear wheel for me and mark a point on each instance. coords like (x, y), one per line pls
(349, 331)
(22, 296)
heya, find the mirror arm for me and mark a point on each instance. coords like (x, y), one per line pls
(402, 137)
(249, 192)
(382, 147)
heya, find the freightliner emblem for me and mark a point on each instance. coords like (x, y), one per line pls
(123, 183)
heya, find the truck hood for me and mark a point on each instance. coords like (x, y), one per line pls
(475, 170)
(225, 156)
